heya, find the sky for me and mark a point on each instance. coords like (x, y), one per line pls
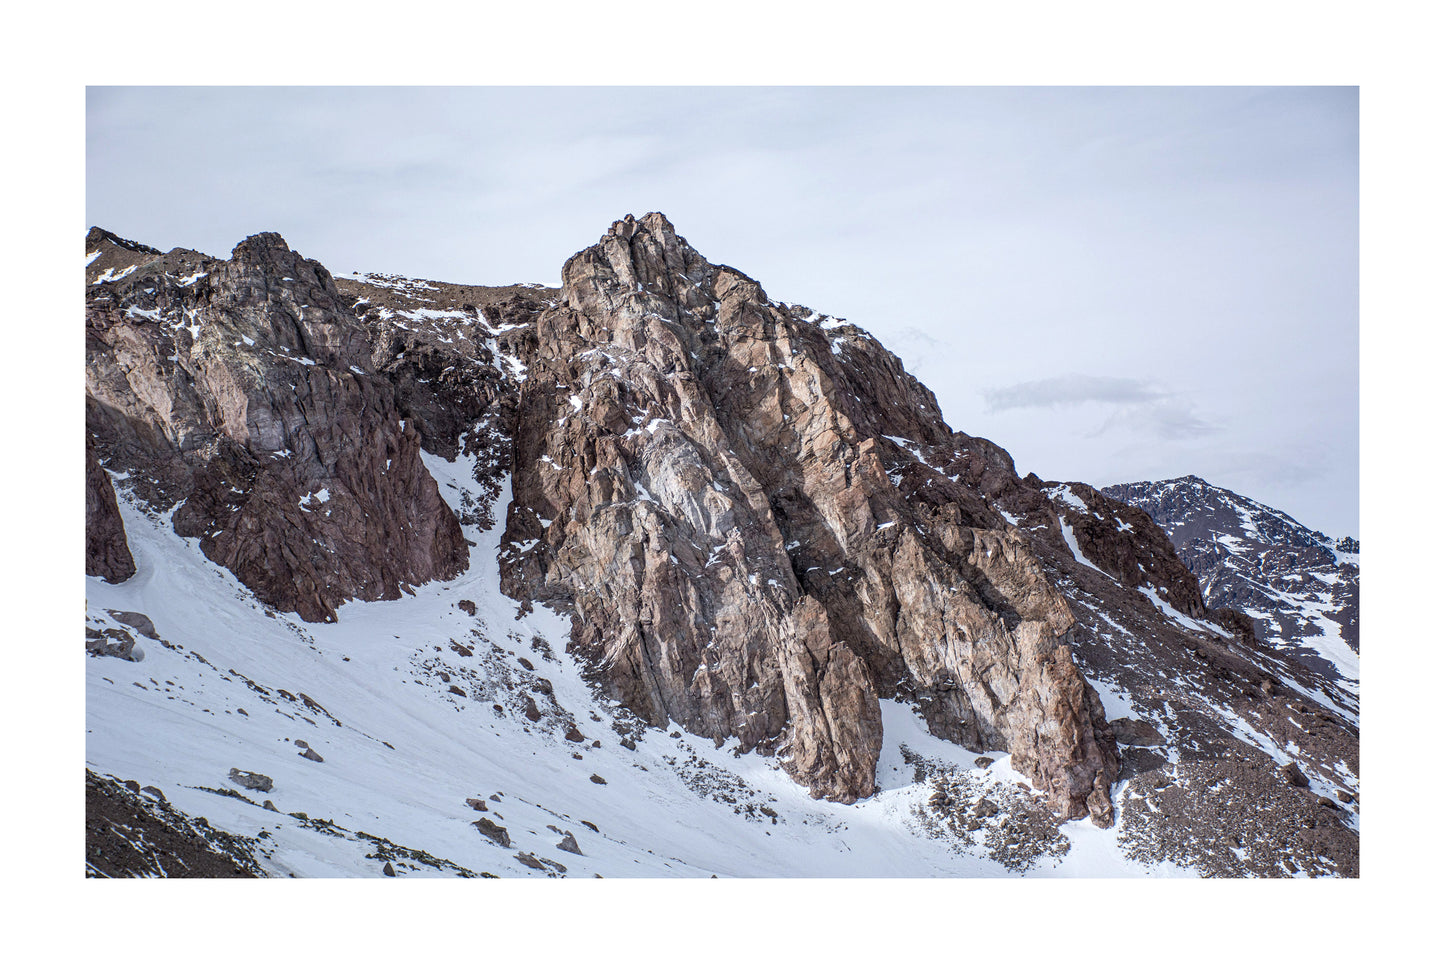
(1115, 284)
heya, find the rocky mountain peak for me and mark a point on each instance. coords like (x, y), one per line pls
(98, 236)
(757, 523)
(256, 246)
(705, 478)
(642, 265)
(237, 390)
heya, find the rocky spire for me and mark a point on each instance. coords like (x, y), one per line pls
(716, 483)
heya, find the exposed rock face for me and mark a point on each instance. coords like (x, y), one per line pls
(1301, 588)
(453, 354)
(243, 391)
(107, 554)
(760, 522)
(733, 498)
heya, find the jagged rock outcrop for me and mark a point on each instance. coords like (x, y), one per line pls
(107, 554)
(731, 495)
(242, 392)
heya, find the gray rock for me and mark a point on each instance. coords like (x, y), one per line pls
(116, 643)
(251, 781)
(569, 844)
(140, 622)
(1135, 733)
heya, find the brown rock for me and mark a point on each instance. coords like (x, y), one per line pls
(1293, 774)
(247, 399)
(107, 554)
(494, 832)
(739, 557)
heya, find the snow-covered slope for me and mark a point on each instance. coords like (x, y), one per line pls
(417, 706)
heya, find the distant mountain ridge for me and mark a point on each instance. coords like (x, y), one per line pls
(1299, 585)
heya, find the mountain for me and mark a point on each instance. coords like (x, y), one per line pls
(632, 557)
(1301, 587)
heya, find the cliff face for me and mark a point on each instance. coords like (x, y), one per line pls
(107, 554)
(734, 497)
(242, 393)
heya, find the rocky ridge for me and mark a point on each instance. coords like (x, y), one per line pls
(1300, 587)
(241, 395)
(759, 522)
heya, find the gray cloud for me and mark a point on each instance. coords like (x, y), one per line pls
(1071, 390)
(1138, 405)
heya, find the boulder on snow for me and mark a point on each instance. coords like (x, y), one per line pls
(494, 832)
(140, 622)
(114, 642)
(251, 781)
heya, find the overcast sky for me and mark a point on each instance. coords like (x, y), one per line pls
(1113, 284)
